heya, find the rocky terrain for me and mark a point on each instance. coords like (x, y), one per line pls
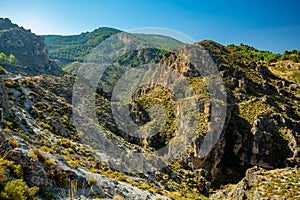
(263, 184)
(43, 153)
(29, 50)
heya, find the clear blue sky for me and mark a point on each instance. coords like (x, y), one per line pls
(269, 25)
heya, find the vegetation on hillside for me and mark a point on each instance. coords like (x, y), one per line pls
(7, 60)
(267, 56)
(76, 47)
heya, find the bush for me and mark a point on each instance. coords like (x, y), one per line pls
(7, 60)
(18, 190)
(74, 163)
(91, 180)
(18, 171)
(12, 84)
(11, 124)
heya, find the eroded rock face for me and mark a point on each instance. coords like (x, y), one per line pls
(263, 70)
(212, 160)
(268, 148)
(35, 174)
(28, 48)
(264, 146)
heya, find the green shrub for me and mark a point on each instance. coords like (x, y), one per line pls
(144, 186)
(33, 155)
(74, 163)
(15, 190)
(47, 149)
(11, 124)
(91, 180)
(18, 171)
(7, 60)
(70, 150)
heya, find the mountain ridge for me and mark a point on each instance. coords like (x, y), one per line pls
(73, 48)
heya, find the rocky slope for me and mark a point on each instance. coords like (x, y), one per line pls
(39, 139)
(29, 50)
(263, 184)
(44, 154)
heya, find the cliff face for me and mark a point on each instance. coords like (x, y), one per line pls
(29, 49)
(263, 124)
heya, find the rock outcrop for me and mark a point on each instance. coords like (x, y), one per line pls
(262, 184)
(29, 50)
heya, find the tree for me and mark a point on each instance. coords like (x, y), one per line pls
(3, 58)
(11, 59)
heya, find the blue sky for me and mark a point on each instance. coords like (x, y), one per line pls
(269, 25)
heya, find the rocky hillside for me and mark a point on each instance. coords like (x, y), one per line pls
(44, 154)
(29, 50)
(263, 184)
(39, 140)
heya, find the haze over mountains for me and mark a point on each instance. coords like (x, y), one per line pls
(44, 153)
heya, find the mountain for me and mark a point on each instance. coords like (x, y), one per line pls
(50, 149)
(68, 49)
(29, 54)
(76, 47)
